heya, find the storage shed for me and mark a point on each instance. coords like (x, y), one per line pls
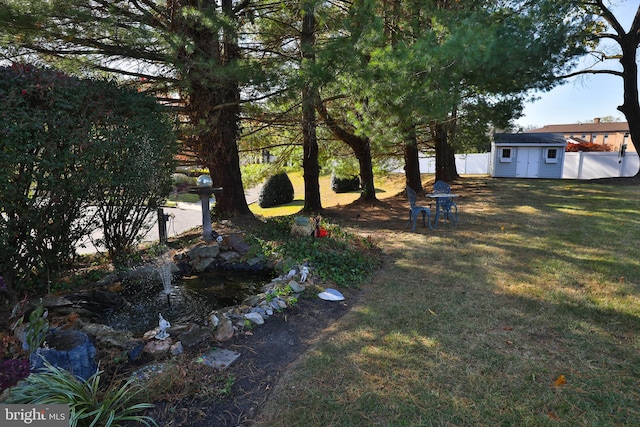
(527, 155)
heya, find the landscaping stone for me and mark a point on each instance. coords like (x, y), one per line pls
(158, 348)
(229, 256)
(68, 349)
(225, 330)
(218, 358)
(238, 245)
(194, 336)
(176, 349)
(296, 287)
(255, 318)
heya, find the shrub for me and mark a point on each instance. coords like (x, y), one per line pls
(88, 405)
(12, 371)
(587, 146)
(69, 145)
(344, 185)
(278, 190)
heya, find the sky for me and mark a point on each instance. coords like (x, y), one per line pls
(583, 98)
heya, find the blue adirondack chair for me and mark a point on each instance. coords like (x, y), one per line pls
(445, 206)
(415, 210)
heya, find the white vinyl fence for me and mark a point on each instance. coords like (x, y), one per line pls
(590, 165)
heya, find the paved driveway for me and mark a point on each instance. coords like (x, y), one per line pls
(183, 217)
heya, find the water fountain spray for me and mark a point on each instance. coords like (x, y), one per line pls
(165, 276)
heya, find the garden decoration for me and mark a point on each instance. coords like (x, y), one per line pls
(205, 189)
(164, 325)
(304, 272)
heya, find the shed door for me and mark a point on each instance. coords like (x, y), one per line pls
(528, 162)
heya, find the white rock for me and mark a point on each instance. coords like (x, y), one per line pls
(296, 287)
(254, 318)
(214, 320)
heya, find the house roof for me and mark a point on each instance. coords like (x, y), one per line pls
(580, 128)
(556, 139)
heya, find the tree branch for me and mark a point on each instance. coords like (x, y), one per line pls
(583, 72)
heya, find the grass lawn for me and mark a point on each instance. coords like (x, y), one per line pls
(385, 187)
(526, 314)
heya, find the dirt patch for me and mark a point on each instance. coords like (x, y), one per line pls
(264, 355)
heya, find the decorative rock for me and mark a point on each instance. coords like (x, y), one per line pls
(135, 352)
(254, 261)
(69, 350)
(158, 347)
(150, 334)
(218, 358)
(255, 318)
(204, 250)
(331, 295)
(200, 264)
(252, 300)
(106, 334)
(202, 255)
(237, 244)
(225, 331)
(278, 304)
(213, 319)
(54, 302)
(228, 256)
(195, 336)
(176, 349)
(296, 287)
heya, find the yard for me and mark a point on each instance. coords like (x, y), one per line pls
(527, 313)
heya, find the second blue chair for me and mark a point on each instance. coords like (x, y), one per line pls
(415, 210)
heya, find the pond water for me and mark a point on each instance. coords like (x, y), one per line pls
(191, 298)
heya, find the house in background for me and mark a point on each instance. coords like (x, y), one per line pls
(527, 155)
(613, 134)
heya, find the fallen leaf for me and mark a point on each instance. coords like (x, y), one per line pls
(509, 342)
(552, 416)
(561, 380)
(432, 312)
(508, 328)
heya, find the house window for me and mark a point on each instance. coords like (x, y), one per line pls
(551, 155)
(606, 137)
(593, 137)
(505, 154)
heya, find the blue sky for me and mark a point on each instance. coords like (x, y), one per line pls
(583, 98)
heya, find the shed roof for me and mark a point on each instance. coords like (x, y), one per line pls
(546, 139)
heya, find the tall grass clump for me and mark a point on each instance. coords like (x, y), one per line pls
(89, 406)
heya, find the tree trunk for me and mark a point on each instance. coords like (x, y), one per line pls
(362, 150)
(310, 165)
(445, 154)
(412, 162)
(631, 106)
(214, 108)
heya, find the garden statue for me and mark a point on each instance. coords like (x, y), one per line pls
(163, 324)
(304, 272)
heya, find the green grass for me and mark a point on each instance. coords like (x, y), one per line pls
(385, 187)
(473, 325)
